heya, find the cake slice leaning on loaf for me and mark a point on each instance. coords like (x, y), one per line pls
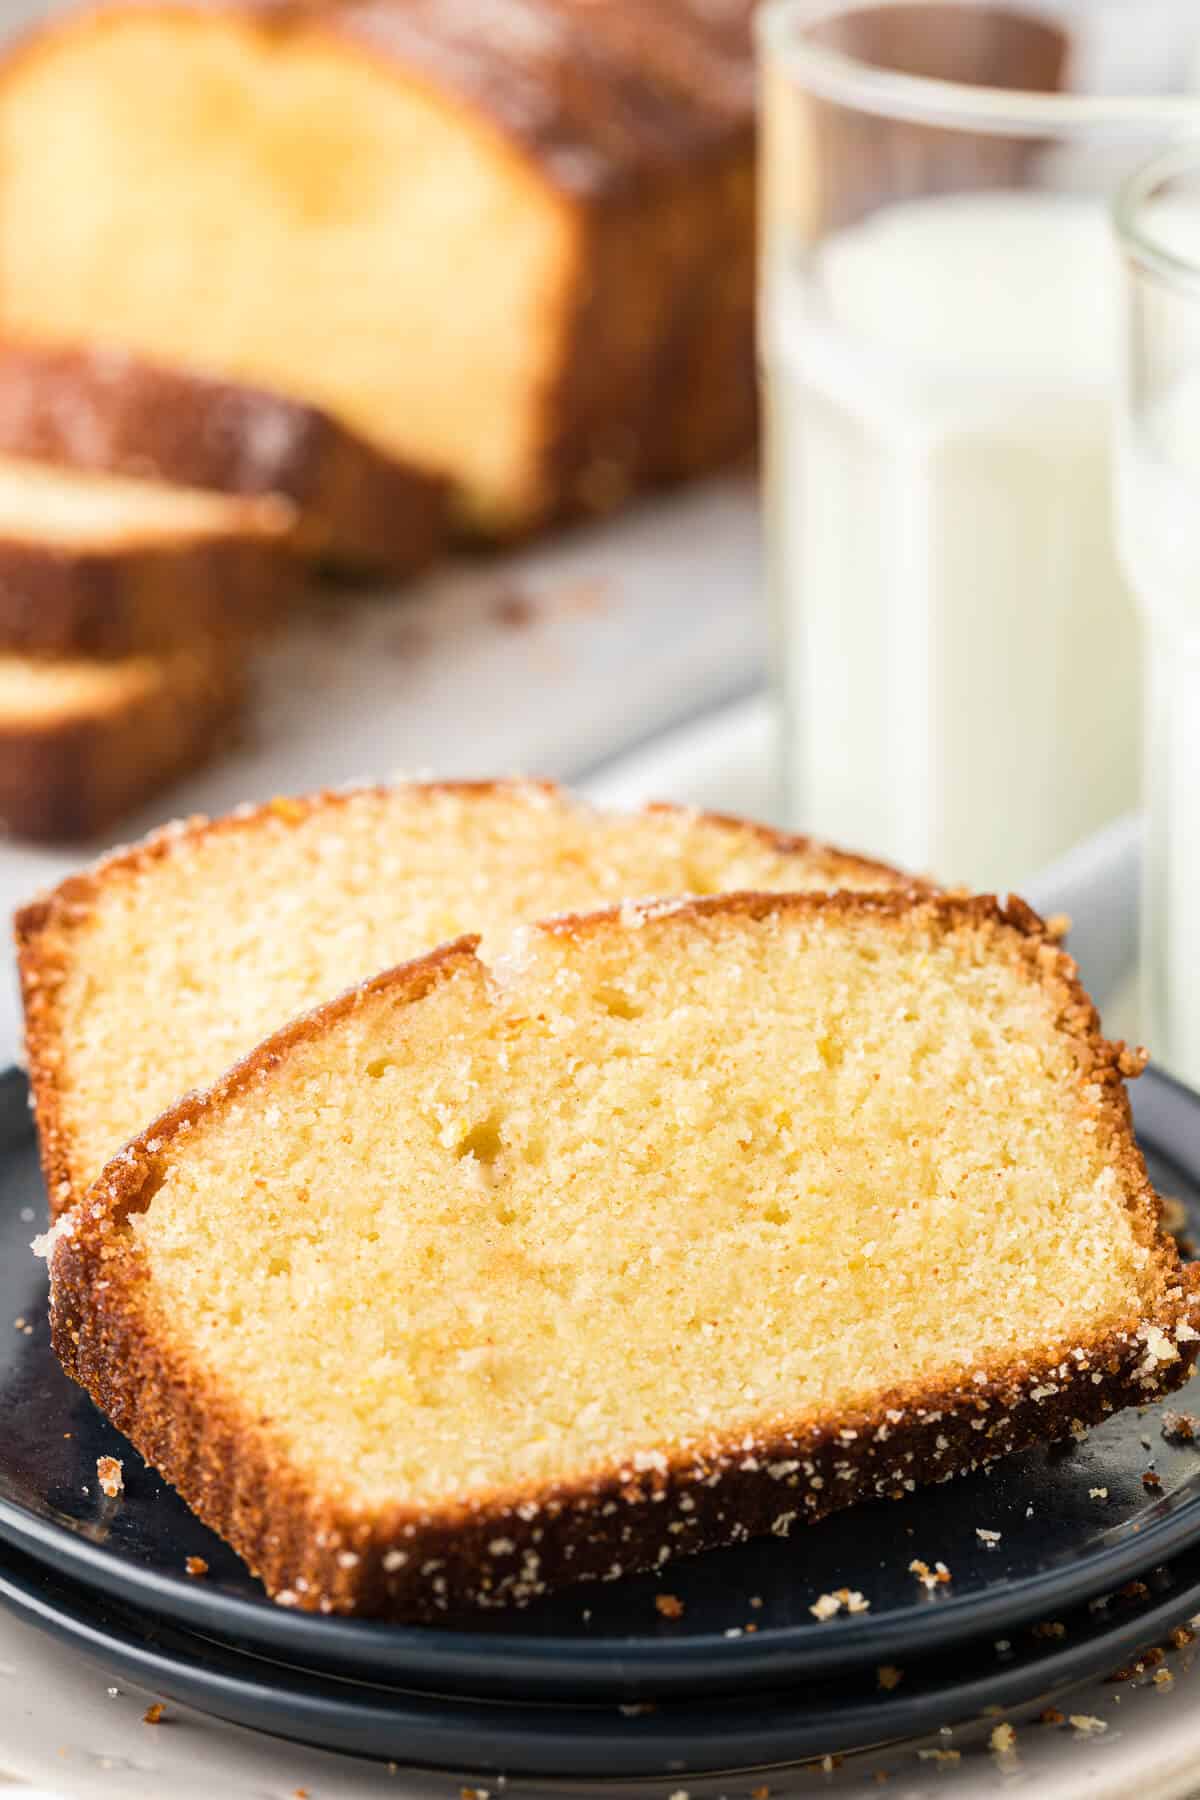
(855, 1172)
(238, 924)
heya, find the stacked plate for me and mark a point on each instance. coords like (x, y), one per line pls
(1061, 1562)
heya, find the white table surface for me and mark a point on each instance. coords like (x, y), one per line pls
(632, 628)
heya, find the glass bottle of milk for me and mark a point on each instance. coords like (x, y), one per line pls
(957, 652)
(1158, 491)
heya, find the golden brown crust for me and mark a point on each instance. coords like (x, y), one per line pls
(627, 115)
(508, 1545)
(642, 120)
(699, 396)
(142, 599)
(103, 409)
(42, 926)
(67, 780)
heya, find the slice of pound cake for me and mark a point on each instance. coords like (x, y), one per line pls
(106, 566)
(83, 743)
(91, 408)
(235, 926)
(855, 1174)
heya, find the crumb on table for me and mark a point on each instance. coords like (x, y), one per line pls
(153, 1715)
(669, 1605)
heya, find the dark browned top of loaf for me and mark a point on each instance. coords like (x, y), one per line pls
(598, 95)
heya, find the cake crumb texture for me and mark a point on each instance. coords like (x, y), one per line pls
(357, 1302)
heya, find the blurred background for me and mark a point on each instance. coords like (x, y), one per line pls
(378, 394)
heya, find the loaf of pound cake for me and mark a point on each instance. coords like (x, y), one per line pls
(84, 743)
(113, 413)
(237, 925)
(105, 566)
(855, 1173)
(517, 248)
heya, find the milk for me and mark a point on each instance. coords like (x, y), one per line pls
(959, 654)
(1159, 484)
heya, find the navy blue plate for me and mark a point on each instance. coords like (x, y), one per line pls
(599, 1743)
(1060, 1545)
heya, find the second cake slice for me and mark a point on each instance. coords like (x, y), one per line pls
(236, 925)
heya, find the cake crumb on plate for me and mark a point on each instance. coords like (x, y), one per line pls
(110, 1471)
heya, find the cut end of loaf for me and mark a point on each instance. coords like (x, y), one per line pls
(522, 257)
(429, 315)
(777, 1136)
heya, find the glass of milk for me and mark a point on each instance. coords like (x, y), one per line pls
(1157, 217)
(957, 653)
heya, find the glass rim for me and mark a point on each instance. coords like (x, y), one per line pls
(1128, 206)
(924, 99)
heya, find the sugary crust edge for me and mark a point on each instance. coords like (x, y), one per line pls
(105, 409)
(67, 780)
(504, 1547)
(55, 915)
(142, 599)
